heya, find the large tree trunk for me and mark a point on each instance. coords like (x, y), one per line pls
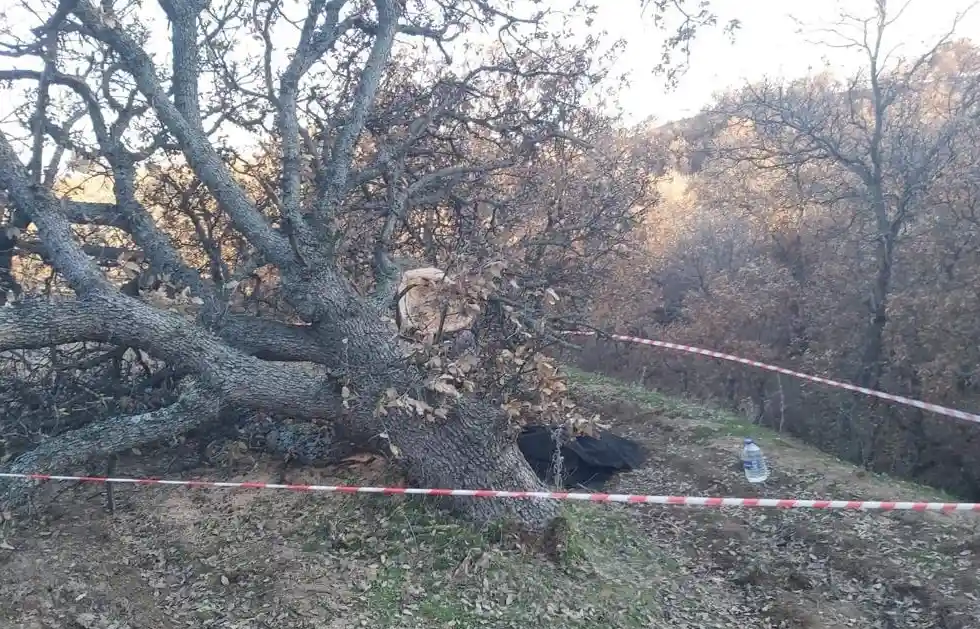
(472, 448)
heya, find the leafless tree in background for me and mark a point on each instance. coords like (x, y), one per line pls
(828, 223)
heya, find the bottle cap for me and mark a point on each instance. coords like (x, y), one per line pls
(747, 440)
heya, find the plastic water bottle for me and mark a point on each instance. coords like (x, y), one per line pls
(754, 464)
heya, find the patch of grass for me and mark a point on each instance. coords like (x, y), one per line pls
(384, 598)
(703, 424)
(447, 612)
(707, 422)
(429, 570)
(730, 425)
(611, 388)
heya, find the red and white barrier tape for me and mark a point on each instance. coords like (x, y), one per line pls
(689, 501)
(926, 406)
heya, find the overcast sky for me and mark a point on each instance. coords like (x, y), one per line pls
(767, 44)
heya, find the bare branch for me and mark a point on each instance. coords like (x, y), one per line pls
(55, 231)
(74, 83)
(338, 160)
(200, 153)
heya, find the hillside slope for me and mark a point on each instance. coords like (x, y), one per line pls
(793, 568)
(173, 558)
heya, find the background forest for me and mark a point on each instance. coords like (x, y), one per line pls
(828, 226)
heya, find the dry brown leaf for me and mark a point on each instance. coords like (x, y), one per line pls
(362, 457)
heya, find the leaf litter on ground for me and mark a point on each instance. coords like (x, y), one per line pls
(173, 558)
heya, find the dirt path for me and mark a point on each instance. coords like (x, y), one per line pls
(795, 568)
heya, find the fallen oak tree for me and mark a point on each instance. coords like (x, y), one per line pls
(364, 149)
(471, 438)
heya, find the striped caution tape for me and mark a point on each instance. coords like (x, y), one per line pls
(689, 501)
(926, 406)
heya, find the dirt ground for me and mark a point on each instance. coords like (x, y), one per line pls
(238, 559)
(792, 568)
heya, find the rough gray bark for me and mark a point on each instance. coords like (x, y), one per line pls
(194, 408)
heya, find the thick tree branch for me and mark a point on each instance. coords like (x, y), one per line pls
(37, 203)
(199, 152)
(102, 253)
(237, 378)
(183, 16)
(156, 245)
(89, 213)
(50, 47)
(338, 163)
(313, 44)
(194, 408)
(272, 340)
